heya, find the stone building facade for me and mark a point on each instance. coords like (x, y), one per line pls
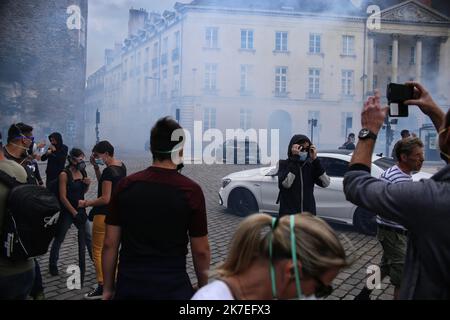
(43, 66)
(271, 65)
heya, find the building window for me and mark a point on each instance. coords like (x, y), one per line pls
(124, 69)
(155, 56)
(177, 39)
(412, 59)
(314, 82)
(281, 81)
(176, 70)
(245, 119)
(209, 118)
(155, 84)
(210, 76)
(390, 55)
(246, 39)
(375, 81)
(281, 41)
(346, 123)
(147, 59)
(314, 43)
(138, 65)
(176, 87)
(164, 74)
(176, 50)
(165, 49)
(211, 38)
(244, 78)
(348, 45)
(375, 56)
(347, 82)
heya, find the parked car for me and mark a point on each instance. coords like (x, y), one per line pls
(256, 190)
(238, 152)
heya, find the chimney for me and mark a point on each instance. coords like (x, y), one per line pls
(427, 2)
(136, 21)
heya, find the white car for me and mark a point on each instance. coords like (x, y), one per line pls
(256, 190)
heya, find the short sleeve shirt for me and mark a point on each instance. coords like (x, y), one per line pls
(113, 174)
(158, 210)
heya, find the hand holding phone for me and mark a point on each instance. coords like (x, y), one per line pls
(398, 94)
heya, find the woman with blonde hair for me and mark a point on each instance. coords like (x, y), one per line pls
(291, 257)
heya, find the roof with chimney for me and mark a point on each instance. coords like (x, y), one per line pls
(337, 7)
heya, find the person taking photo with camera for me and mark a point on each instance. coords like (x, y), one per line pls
(297, 176)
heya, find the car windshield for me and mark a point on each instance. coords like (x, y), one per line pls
(385, 162)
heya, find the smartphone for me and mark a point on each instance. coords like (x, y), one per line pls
(397, 94)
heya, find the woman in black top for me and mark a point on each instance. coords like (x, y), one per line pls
(73, 183)
(102, 154)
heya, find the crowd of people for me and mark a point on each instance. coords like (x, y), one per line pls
(144, 224)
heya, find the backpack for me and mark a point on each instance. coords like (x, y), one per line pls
(30, 220)
(53, 186)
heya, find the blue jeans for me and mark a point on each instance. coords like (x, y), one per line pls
(65, 221)
(16, 287)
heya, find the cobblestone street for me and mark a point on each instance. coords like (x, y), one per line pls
(365, 250)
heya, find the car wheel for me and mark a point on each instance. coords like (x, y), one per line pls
(365, 222)
(242, 202)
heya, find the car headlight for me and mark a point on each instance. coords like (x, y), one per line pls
(225, 182)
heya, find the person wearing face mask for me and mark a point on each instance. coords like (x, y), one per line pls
(56, 156)
(153, 216)
(297, 176)
(20, 140)
(34, 157)
(102, 155)
(293, 257)
(73, 183)
(422, 207)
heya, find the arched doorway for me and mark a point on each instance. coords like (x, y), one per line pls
(282, 121)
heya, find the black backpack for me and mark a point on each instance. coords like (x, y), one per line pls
(29, 224)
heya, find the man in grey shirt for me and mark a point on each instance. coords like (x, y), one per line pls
(422, 207)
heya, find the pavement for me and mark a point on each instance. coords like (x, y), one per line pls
(364, 250)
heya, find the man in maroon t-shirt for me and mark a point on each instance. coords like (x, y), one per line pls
(153, 216)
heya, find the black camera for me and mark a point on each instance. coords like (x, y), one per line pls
(398, 94)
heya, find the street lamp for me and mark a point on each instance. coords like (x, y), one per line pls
(313, 123)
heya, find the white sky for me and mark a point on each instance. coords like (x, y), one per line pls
(108, 22)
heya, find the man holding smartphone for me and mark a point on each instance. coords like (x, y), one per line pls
(422, 207)
(297, 176)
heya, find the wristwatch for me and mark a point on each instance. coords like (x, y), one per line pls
(366, 134)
